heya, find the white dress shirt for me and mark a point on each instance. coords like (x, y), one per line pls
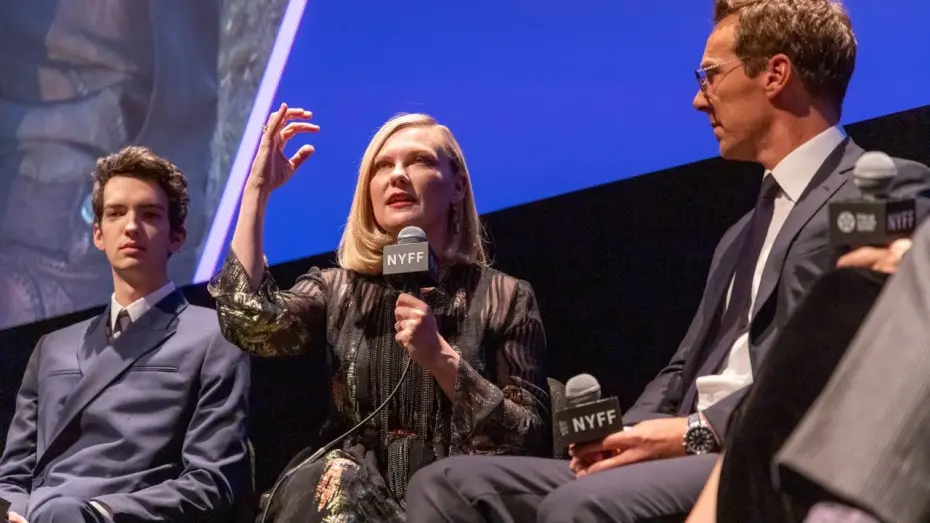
(139, 307)
(793, 174)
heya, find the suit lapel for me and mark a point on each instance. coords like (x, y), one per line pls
(95, 340)
(143, 336)
(722, 276)
(828, 179)
(717, 285)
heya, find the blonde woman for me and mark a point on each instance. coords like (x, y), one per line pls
(478, 384)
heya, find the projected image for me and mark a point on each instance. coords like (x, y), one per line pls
(84, 78)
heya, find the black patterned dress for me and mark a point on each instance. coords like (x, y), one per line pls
(501, 403)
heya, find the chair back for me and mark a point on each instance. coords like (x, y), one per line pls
(557, 403)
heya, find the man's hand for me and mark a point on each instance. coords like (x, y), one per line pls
(13, 517)
(882, 259)
(649, 440)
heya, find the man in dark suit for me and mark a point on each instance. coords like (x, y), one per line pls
(772, 80)
(138, 414)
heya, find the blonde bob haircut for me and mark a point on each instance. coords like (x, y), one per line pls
(363, 240)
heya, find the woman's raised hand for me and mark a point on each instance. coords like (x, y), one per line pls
(271, 168)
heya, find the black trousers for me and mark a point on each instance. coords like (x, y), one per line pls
(519, 489)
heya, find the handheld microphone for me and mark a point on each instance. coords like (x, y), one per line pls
(4, 508)
(873, 219)
(410, 263)
(588, 417)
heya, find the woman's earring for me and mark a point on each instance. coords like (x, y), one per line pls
(456, 220)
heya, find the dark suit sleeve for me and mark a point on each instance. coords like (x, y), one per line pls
(508, 413)
(215, 456)
(663, 394)
(19, 456)
(913, 180)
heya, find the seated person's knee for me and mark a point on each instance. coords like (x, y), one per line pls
(60, 510)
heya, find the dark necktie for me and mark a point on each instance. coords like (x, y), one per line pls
(736, 315)
(737, 311)
(122, 323)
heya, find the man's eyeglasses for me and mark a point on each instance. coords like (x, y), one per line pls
(703, 73)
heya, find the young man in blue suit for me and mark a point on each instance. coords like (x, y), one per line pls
(138, 414)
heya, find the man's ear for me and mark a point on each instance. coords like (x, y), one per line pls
(98, 237)
(777, 75)
(178, 237)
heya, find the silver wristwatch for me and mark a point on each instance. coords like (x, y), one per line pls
(699, 438)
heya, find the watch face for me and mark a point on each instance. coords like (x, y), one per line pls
(699, 440)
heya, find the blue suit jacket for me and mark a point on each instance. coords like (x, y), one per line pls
(153, 425)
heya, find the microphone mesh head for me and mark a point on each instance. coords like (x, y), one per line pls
(582, 388)
(411, 234)
(874, 173)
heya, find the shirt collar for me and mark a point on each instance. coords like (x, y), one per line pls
(139, 307)
(795, 171)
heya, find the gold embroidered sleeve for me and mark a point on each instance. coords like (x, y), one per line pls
(510, 415)
(269, 321)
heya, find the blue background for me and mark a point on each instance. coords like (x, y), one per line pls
(544, 99)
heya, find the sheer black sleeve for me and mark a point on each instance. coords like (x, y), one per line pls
(511, 414)
(269, 321)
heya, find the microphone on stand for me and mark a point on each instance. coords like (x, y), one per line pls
(873, 219)
(411, 264)
(587, 418)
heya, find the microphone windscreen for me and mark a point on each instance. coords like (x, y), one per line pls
(581, 389)
(875, 164)
(873, 173)
(411, 234)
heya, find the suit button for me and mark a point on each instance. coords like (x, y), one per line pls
(38, 481)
